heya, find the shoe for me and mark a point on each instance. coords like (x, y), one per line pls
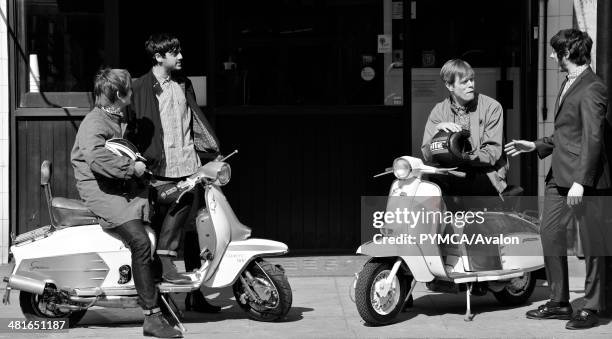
(548, 311)
(155, 325)
(409, 303)
(583, 319)
(170, 273)
(195, 301)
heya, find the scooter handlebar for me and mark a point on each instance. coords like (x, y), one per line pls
(449, 171)
(458, 174)
(168, 192)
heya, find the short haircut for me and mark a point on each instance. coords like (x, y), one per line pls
(109, 82)
(162, 43)
(575, 42)
(455, 68)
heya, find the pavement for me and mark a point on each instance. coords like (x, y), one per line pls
(322, 309)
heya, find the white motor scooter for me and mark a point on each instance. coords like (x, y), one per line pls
(71, 265)
(385, 283)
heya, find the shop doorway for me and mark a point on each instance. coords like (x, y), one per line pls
(494, 38)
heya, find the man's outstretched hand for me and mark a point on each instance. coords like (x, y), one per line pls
(516, 147)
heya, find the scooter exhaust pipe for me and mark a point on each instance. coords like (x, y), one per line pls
(109, 301)
(26, 284)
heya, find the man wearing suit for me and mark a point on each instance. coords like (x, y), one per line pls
(579, 169)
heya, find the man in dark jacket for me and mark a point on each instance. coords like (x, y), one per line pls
(171, 131)
(579, 169)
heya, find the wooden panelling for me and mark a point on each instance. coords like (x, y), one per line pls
(39, 140)
(298, 178)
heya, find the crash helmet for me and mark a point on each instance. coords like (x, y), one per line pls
(125, 148)
(449, 148)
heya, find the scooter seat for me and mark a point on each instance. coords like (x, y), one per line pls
(70, 212)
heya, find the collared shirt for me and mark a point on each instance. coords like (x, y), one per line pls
(180, 158)
(462, 114)
(571, 77)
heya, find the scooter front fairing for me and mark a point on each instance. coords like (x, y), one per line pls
(238, 255)
(233, 250)
(423, 259)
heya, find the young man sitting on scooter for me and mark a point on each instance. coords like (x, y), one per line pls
(111, 189)
(172, 132)
(464, 109)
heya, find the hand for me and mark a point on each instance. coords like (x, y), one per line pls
(139, 168)
(448, 127)
(219, 157)
(517, 147)
(574, 196)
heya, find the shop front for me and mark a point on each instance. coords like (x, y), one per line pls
(317, 96)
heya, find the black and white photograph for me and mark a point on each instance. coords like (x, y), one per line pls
(306, 169)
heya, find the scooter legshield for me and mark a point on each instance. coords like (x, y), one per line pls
(225, 223)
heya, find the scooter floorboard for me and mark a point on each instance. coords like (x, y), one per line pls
(466, 277)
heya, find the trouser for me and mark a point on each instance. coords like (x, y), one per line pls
(169, 219)
(133, 234)
(556, 217)
(172, 224)
(474, 192)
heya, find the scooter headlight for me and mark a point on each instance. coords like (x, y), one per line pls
(401, 168)
(223, 175)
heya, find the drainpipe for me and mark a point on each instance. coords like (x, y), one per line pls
(604, 70)
(544, 57)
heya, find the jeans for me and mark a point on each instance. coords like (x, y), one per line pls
(133, 234)
(169, 220)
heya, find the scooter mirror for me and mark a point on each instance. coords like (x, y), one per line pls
(229, 155)
(388, 170)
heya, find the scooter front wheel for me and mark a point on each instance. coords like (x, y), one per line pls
(376, 307)
(263, 291)
(36, 307)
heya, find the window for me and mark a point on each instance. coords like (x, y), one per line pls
(63, 43)
(62, 46)
(334, 52)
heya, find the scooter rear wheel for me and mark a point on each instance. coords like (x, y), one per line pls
(269, 280)
(517, 291)
(33, 307)
(374, 309)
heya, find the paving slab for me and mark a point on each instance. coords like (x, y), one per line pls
(322, 308)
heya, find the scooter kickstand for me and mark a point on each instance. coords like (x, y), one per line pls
(468, 312)
(163, 298)
(409, 294)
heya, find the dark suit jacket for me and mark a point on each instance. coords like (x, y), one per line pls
(577, 145)
(144, 124)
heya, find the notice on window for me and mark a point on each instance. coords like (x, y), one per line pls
(397, 10)
(425, 90)
(367, 73)
(384, 43)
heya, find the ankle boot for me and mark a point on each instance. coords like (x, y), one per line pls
(170, 273)
(155, 325)
(196, 301)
